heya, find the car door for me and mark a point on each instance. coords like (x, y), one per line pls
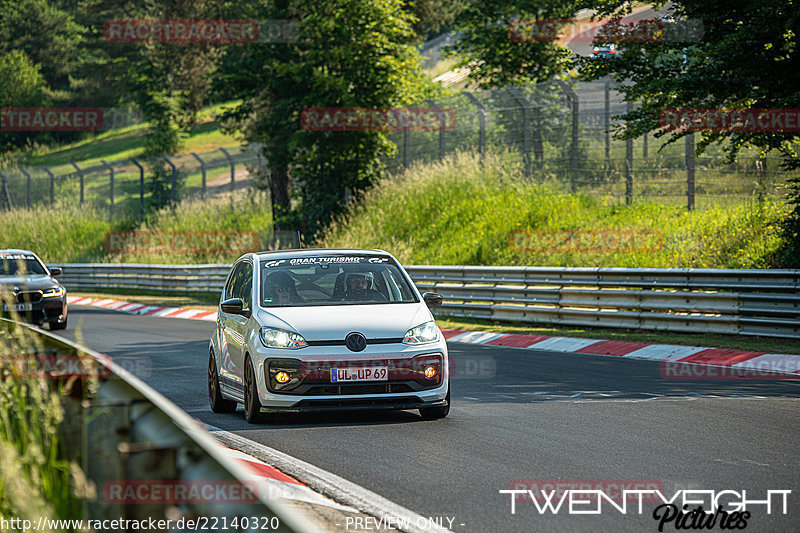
(236, 325)
(230, 341)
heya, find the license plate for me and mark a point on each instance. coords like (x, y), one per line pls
(19, 308)
(370, 373)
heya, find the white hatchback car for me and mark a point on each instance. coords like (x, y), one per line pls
(319, 330)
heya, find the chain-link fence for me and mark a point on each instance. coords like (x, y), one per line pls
(562, 132)
(123, 187)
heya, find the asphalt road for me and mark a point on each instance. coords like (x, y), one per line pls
(518, 415)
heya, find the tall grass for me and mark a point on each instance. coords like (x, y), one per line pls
(37, 478)
(68, 233)
(457, 211)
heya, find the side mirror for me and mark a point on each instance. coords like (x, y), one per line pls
(432, 299)
(234, 306)
(55, 271)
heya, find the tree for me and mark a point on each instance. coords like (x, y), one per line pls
(498, 50)
(21, 85)
(434, 16)
(747, 58)
(347, 53)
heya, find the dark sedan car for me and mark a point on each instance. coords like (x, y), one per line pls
(28, 287)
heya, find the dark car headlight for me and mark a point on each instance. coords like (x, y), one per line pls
(53, 292)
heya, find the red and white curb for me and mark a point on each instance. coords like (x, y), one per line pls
(141, 309)
(276, 484)
(697, 355)
(718, 357)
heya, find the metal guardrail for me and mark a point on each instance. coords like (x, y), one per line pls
(126, 432)
(746, 302)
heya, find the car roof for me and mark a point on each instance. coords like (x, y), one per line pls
(317, 252)
(15, 251)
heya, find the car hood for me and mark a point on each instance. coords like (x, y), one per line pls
(321, 323)
(37, 282)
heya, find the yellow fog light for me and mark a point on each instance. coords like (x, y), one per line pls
(430, 372)
(281, 377)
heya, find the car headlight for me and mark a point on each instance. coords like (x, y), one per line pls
(279, 338)
(53, 293)
(422, 334)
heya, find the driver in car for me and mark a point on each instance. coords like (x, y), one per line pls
(283, 288)
(360, 288)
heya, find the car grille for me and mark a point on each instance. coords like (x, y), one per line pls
(330, 390)
(29, 296)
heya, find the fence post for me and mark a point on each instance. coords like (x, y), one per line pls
(111, 188)
(80, 173)
(406, 155)
(442, 132)
(52, 185)
(174, 180)
(482, 124)
(27, 186)
(5, 197)
(644, 146)
(761, 167)
(233, 169)
(573, 155)
(526, 141)
(608, 124)
(141, 188)
(203, 170)
(629, 163)
(690, 171)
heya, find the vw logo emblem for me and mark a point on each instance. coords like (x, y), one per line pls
(355, 342)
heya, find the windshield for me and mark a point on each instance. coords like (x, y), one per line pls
(20, 265)
(333, 280)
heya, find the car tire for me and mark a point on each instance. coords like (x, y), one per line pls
(215, 398)
(252, 406)
(434, 413)
(56, 325)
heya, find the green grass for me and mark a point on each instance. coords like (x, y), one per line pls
(128, 142)
(37, 477)
(76, 235)
(457, 212)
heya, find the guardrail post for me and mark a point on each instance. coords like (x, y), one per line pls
(629, 163)
(141, 188)
(111, 188)
(27, 186)
(5, 197)
(690, 171)
(526, 141)
(174, 180)
(80, 173)
(481, 122)
(233, 170)
(203, 170)
(52, 185)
